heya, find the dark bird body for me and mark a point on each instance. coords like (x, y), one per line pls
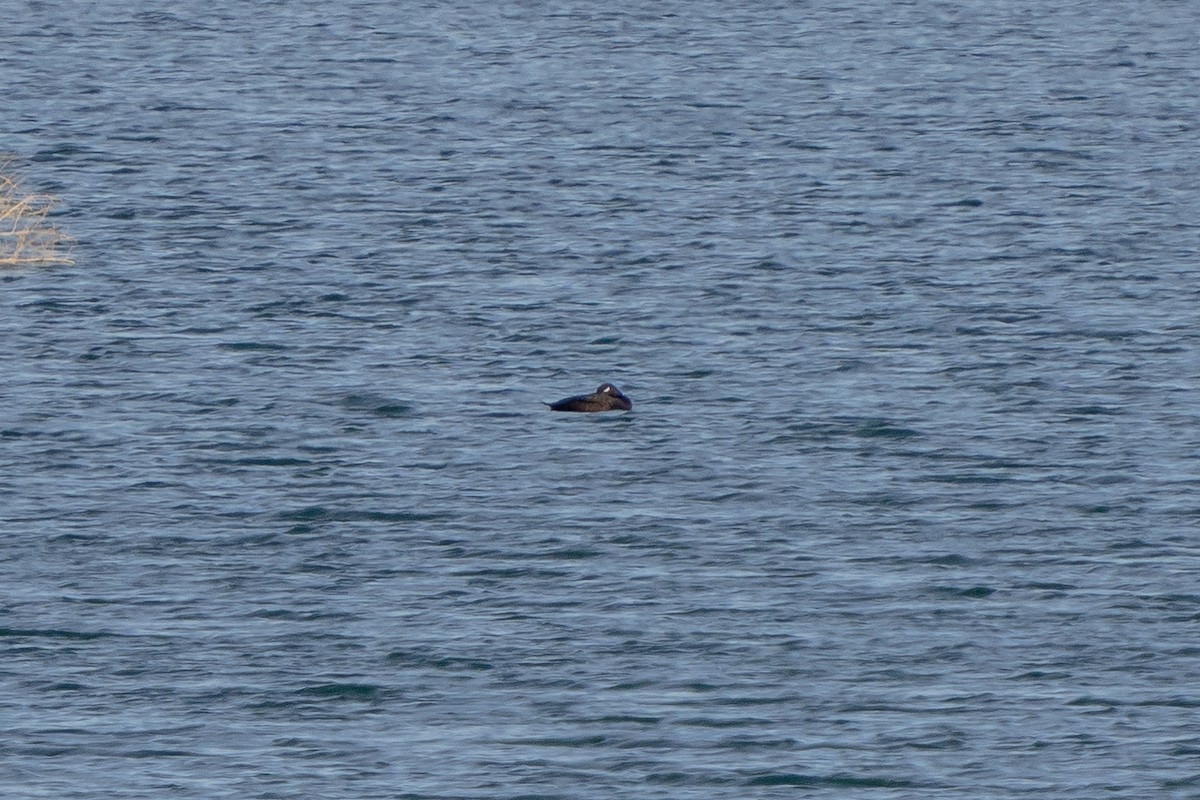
(605, 398)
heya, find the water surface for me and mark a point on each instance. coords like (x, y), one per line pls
(904, 296)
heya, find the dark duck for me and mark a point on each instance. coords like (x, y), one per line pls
(605, 398)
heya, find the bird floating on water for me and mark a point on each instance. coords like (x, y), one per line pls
(606, 398)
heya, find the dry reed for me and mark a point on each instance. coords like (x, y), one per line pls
(26, 237)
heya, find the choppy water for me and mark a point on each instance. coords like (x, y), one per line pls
(906, 298)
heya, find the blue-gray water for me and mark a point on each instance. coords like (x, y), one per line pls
(906, 296)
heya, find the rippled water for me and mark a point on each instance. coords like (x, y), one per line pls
(905, 296)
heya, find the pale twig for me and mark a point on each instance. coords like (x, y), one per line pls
(26, 237)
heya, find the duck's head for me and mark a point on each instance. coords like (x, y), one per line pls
(621, 400)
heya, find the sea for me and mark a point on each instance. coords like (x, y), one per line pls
(907, 299)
